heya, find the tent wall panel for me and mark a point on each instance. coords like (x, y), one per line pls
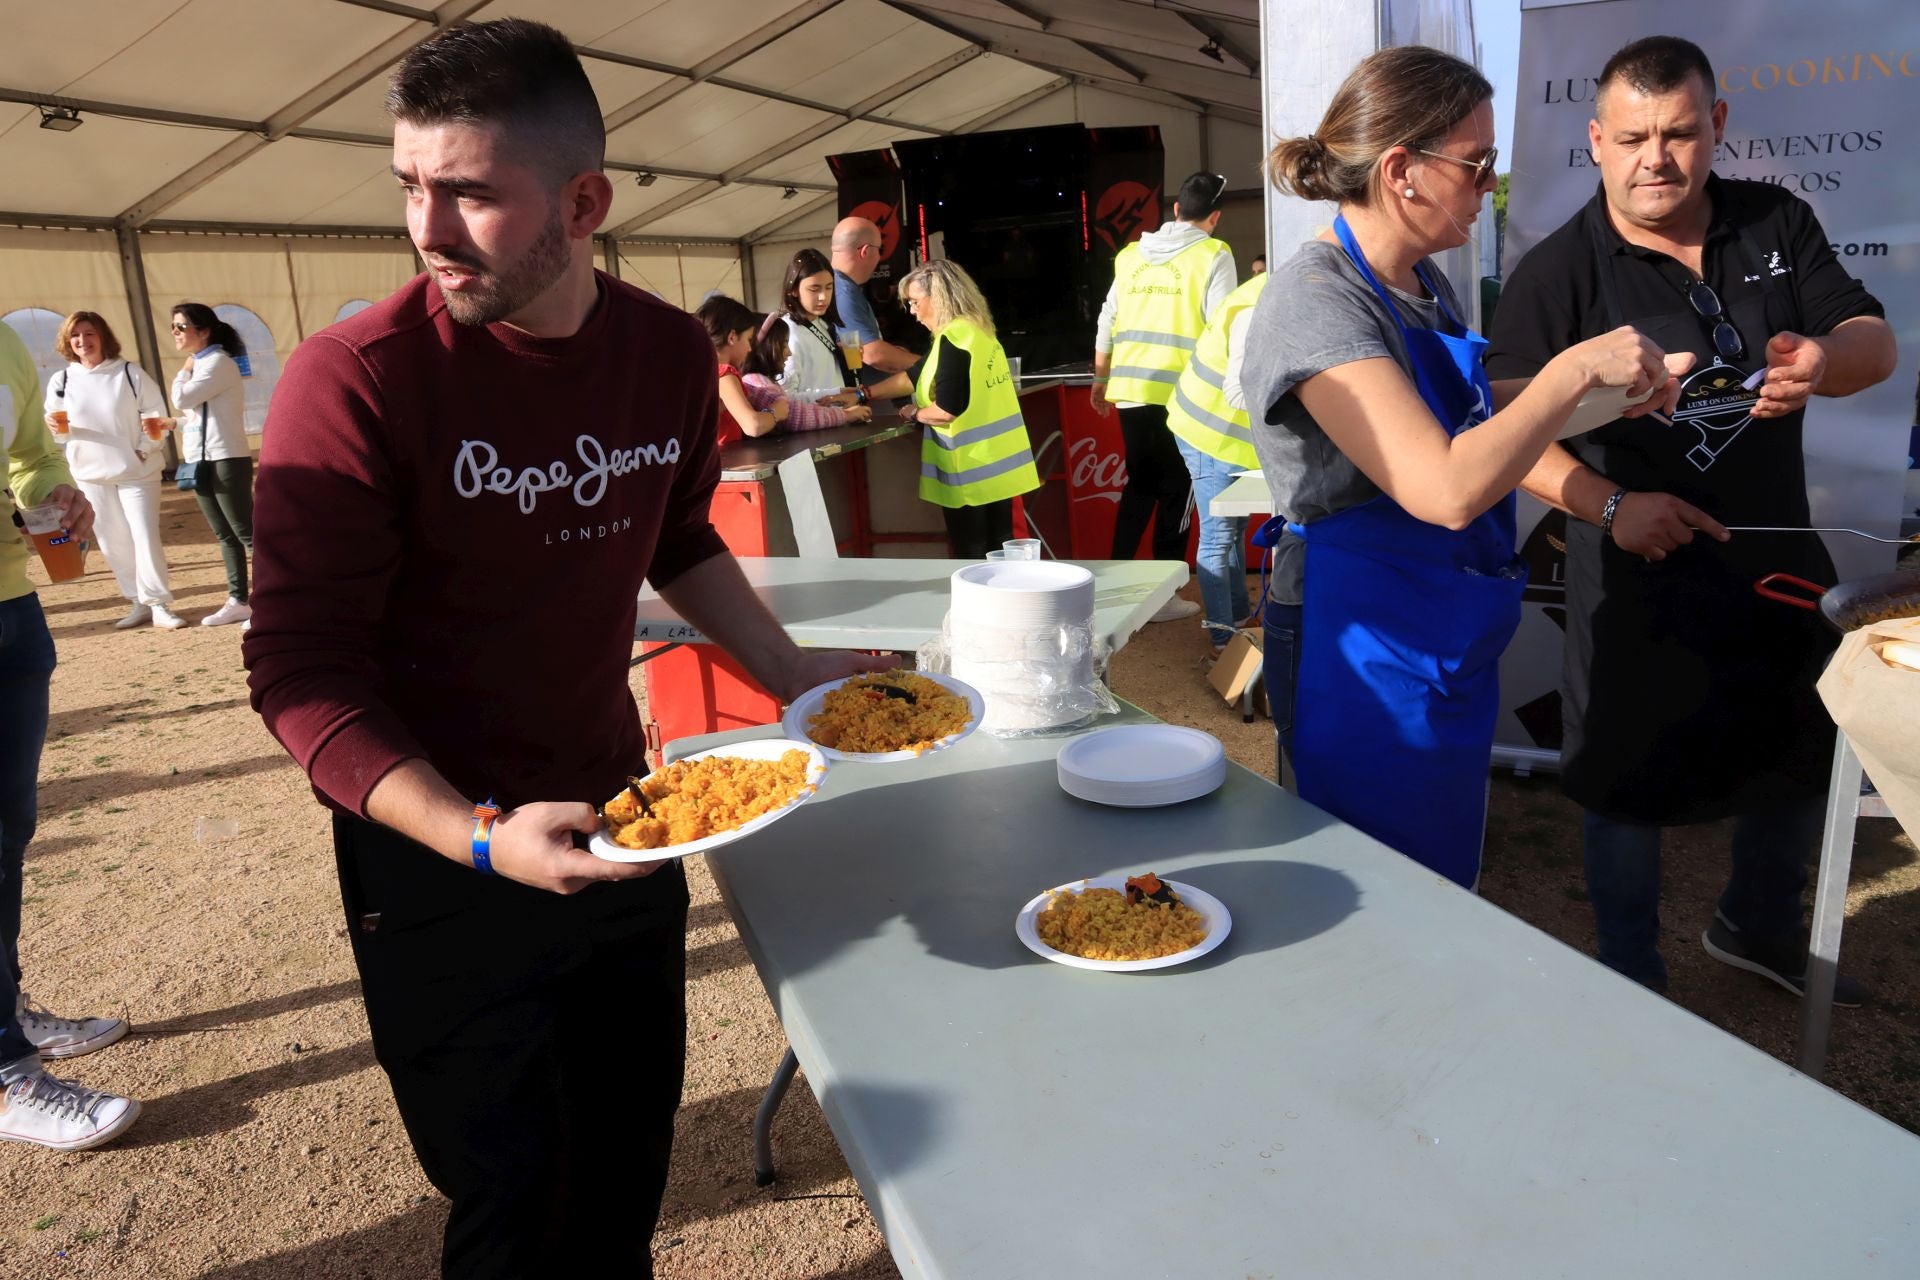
(770, 257)
(64, 272)
(681, 274)
(328, 274)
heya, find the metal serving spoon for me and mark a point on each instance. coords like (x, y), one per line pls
(1789, 528)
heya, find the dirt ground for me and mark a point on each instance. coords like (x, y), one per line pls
(183, 878)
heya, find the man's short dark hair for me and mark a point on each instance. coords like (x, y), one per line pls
(1200, 195)
(1659, 64)
(522, 76)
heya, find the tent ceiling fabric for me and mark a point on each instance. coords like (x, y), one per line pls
(731, 100)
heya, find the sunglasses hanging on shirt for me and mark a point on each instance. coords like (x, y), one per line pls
(1706, 304)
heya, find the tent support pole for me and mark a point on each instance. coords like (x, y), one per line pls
(133, 271)
(748, 285)
(610, 256)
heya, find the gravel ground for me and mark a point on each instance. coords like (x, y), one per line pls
(183, 878)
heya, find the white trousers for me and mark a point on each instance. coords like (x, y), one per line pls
(126, 525)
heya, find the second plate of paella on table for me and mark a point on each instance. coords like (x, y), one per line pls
(884, 716)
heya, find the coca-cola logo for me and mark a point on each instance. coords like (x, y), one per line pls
(885, 216)
(1123, 212)
(1095, 474)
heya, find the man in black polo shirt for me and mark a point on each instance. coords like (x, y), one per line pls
(1687, 697)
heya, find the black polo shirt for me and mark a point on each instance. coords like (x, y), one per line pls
(1687, 697)
(1554, 298)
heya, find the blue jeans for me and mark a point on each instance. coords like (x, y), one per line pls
(26, 674)
(1762, 897)
(1223, 546)
(1280, 672)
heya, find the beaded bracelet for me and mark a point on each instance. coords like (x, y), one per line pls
(1610, 510)
(483, 816)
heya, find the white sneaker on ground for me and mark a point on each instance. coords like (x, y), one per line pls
(1174, 610)
(57, 1037)
(136, 616)
(166, 619)
(231, 611)
(62, 1115)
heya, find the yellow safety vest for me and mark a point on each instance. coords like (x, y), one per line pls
(1161, 312)
(1199, 412)
(983, 455)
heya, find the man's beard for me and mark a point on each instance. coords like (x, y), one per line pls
(501, 294)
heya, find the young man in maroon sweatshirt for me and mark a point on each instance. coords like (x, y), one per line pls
(460, 492)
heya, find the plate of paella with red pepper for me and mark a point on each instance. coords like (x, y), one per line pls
(884, 716)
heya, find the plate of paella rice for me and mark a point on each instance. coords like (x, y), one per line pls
(1123, 924)
(885, 716)
(708, 800)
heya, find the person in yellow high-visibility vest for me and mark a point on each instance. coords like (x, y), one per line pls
(975, 457)
(1165, 286)
(1208, 417)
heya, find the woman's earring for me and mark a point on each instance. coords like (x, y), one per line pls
(1408, 193)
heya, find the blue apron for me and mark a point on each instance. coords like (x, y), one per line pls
(1404, 623)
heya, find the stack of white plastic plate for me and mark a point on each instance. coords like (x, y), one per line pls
(1021, 634)
(1140, 766)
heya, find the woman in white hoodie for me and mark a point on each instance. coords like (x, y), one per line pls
(213, 438)
(114, 460)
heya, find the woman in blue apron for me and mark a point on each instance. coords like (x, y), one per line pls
(1390, 466)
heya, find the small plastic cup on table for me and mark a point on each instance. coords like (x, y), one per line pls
(1022, 548)
(999, 554)
(64, 555)
(156, 425)
(59, 417)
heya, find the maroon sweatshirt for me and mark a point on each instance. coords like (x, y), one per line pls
(451, 526)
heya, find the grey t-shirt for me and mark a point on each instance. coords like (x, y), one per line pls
(1318, 313)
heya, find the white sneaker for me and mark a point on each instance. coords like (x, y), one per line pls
(62, 1115)
(231, 611)
(136, 617)
(1174, 610)
(166, 619)
(57, 1037)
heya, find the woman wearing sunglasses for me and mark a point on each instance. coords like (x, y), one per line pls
(1394, 462)
(213, 441)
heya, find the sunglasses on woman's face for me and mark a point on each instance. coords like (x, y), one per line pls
(181, 328)
(1482, 168)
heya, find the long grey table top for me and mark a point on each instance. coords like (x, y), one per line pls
(759, 457)
(1377, 1075)
(899, 603)
(1246, 496)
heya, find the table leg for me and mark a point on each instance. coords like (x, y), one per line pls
(650, 654)
(763, 1118)
(1829, 907)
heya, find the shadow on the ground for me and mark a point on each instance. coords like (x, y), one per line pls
(250, 1010)
(404, 1247)
(67, 724)
(221, 1105)
(71, 792)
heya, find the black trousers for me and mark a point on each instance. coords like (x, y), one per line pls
(974, 531)
(1158, 488)
(536, 1046)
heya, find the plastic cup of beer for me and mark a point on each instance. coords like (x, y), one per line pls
(1021, 548)
(64, 555)
(850, 349)
(60, 425)
(156, 425)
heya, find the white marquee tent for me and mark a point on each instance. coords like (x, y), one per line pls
(235, 151)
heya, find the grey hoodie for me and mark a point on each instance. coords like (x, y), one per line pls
(1167, 243)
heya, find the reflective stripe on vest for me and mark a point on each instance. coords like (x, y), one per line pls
(1162, 309)
(1199, 412)
(983, 455)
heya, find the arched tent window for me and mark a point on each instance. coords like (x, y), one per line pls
(38, 327)
(353, 307)
(261, 358)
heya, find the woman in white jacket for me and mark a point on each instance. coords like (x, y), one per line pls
(815, 371)
(213, 438)
(115, 461)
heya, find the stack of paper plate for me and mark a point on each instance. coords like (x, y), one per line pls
(1021, 633)
(1139, 766)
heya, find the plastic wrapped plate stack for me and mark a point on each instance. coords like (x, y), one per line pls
(1021, 632)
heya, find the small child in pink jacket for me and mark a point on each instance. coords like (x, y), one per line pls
(762, 369)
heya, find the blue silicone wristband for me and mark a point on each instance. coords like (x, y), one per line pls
(483, 816)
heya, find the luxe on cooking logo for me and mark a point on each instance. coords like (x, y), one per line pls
(477, 469)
